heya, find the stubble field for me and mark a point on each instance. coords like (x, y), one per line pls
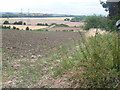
(34, 21)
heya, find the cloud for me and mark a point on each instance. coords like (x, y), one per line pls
(53, 6)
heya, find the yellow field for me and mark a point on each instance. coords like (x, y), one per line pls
(24, 26)
(49, 20)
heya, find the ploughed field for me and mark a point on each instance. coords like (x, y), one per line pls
(28, 56)
(22, 44)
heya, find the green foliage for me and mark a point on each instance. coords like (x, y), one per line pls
(27, 28)
(40, 24)
(98, 57)
(59, 25)
(66, 19)
(24, 23)
(18, 23)
(100, 22)
(6, 27)
(78, 19)
(14, 27)
(41, 30)
(6, 22)
(95, 22)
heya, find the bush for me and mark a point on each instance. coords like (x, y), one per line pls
(27, 28)
(14, 27)
(6, 22)
(66, 19)
(19, 23)
(40, 24)
(6, 27)
(95, 22)
(100, 22)
(78, 19)
(100, 58)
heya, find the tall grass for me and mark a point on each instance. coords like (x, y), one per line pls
(102, 62)
(99, 57)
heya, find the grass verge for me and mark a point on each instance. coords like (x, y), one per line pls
(99, 57)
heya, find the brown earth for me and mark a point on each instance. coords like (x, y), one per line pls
(21, 49)
(27, 43)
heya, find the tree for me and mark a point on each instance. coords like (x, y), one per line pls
(20, 23)
(46, 24)
(14, 27)
(6, 22)
(66, 19)
(27, 28)
(24, 23)
(95, 22)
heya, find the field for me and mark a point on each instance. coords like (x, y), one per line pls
(24, 26)
(23, 50)
(32, 22)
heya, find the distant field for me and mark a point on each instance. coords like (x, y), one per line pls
(49, 20)
(24, 26)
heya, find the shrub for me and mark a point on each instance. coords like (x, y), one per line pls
(27, 28)
(19, 23)
(100, 58)
(6, 22)
(14, 27)
(78, 19)
(42, 24)
(24, 23)
(95, 22)
(100, 22)
(66, 19)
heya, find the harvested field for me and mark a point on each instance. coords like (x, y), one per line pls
(34, 21)
(24, 27)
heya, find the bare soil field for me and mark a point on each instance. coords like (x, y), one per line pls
(28, 43)
(26, 56)
(34, 21)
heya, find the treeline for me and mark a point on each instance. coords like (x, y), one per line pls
(76, 19)
(15, 23)
(31, 15)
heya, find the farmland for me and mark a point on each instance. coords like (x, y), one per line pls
(32, 22)
(21, 49)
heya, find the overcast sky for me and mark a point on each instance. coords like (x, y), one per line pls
(74, 7)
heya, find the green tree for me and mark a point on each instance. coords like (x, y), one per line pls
(6, 22)
(14, 27)
(27, 28)
(95, 22)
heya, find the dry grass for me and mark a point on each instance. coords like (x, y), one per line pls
(24, 26)
(93, 31)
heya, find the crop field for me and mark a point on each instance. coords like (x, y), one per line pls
(34, 21)
(24, 27)
(26, 53)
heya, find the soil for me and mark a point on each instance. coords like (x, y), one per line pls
(18, 44)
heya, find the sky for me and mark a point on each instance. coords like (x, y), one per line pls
(71, 7)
